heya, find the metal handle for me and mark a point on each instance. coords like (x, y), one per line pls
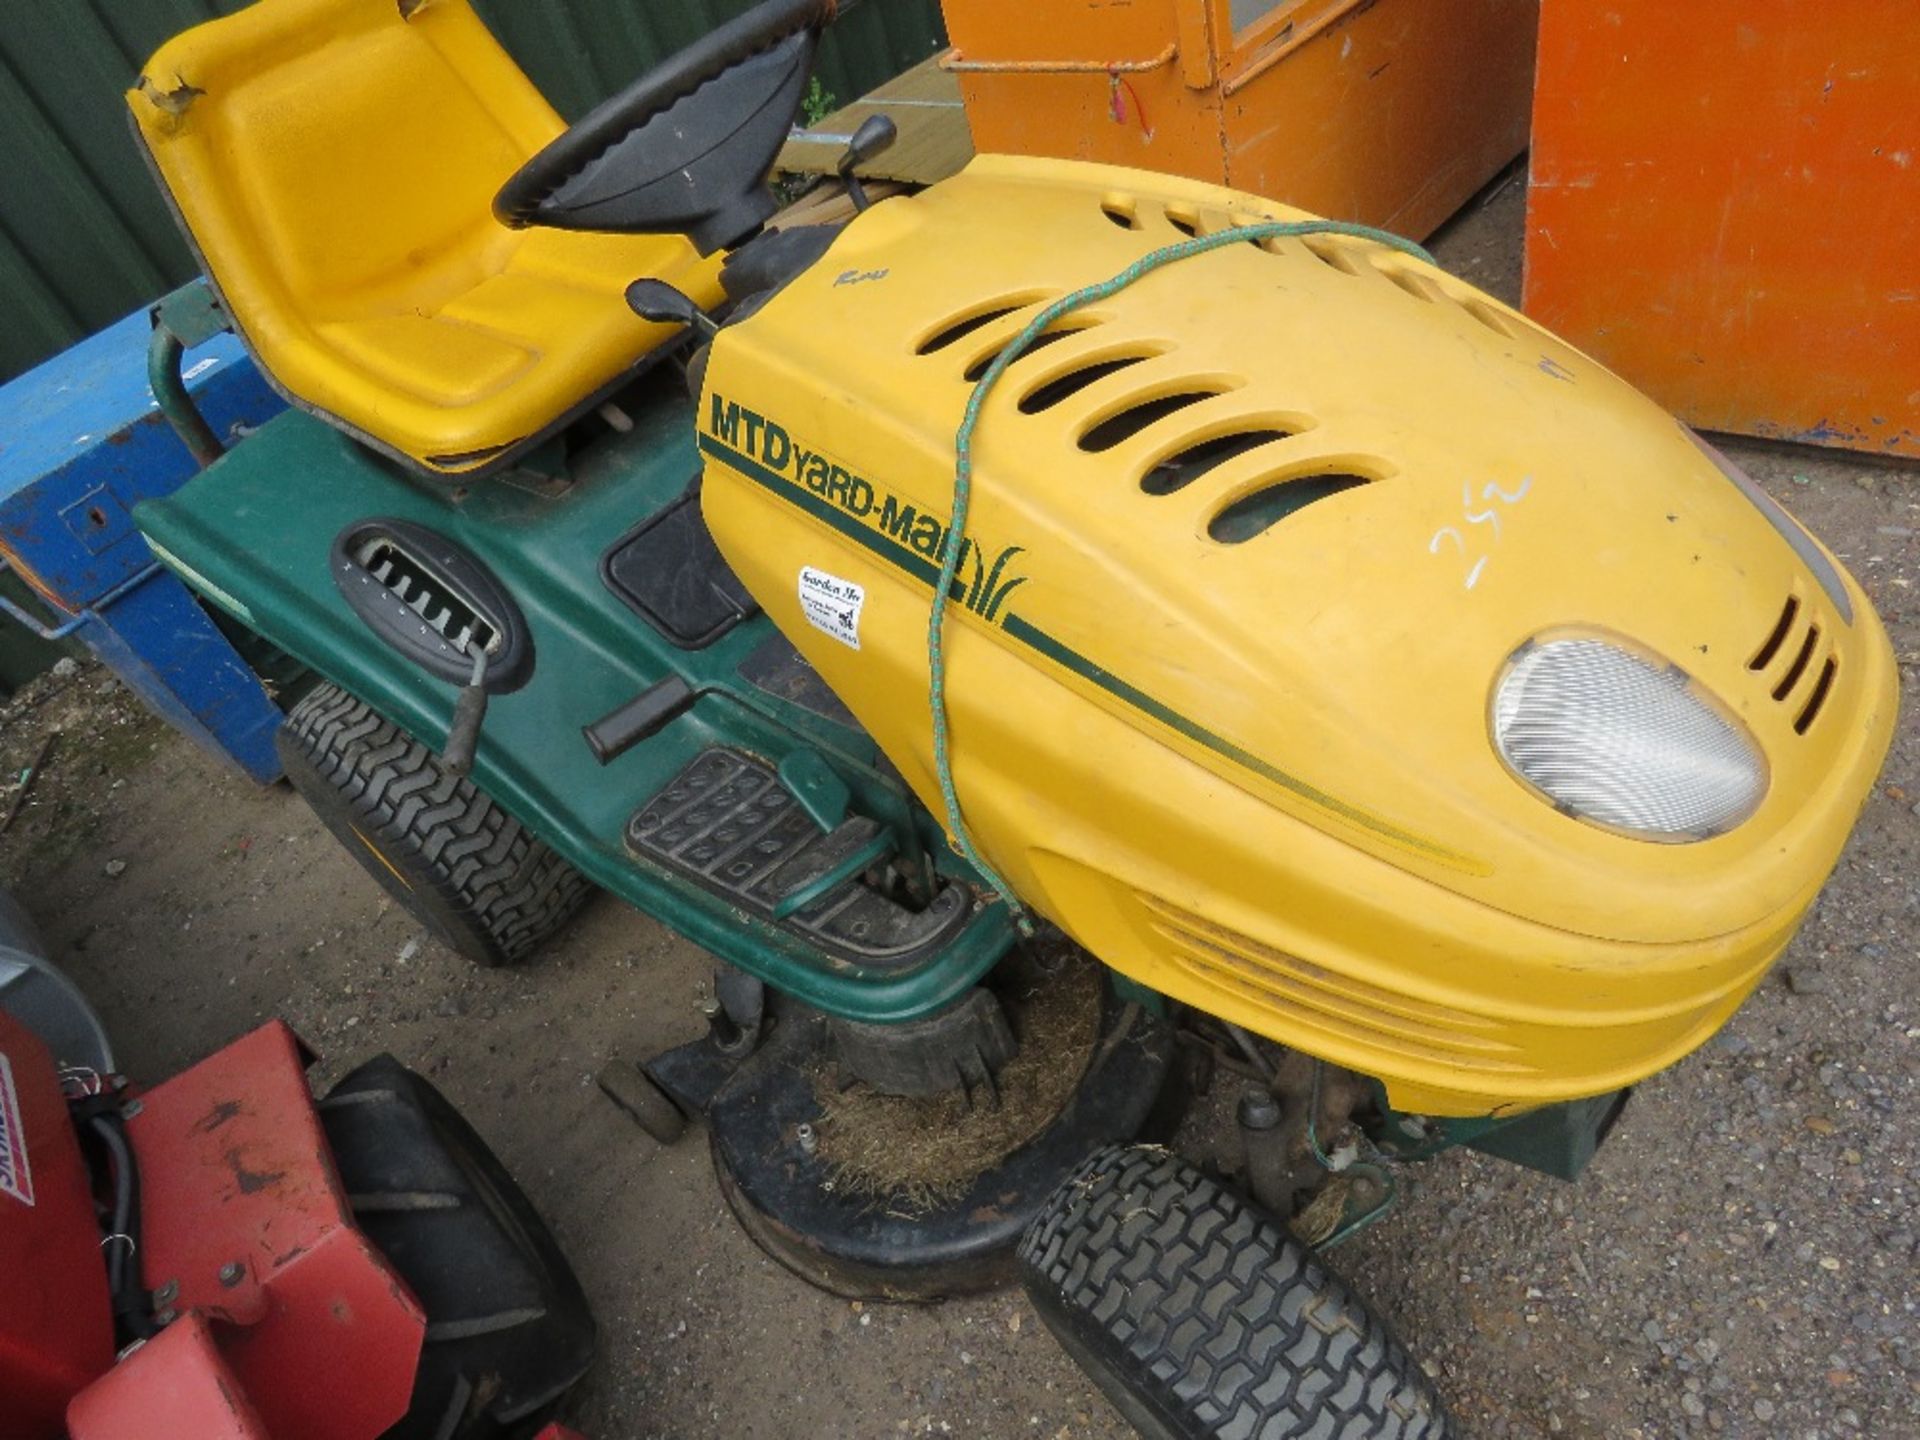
(189, 316)
(33, 623)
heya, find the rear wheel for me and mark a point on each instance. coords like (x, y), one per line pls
(463, 867)
(1201, 1318)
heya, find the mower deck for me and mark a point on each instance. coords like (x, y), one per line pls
(764, 1114)
(607, 618)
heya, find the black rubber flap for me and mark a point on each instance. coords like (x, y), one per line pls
(670, 571)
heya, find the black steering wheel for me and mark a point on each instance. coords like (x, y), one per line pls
(686, 148)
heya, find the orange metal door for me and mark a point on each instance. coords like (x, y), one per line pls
(1390, 112)
(1725, 207)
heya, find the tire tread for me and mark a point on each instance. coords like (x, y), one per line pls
(1203, 1319)
(501, 891)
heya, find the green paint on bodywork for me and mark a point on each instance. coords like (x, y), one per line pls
(258, 527)
(1556, 1140)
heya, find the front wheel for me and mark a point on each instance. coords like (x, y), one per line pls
(1201, 1318)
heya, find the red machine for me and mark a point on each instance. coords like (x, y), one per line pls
(211, 1258)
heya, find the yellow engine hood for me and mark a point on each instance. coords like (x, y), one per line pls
(1149, 684)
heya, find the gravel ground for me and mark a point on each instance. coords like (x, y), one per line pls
(1739, 1260)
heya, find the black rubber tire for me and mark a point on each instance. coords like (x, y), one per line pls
(509, 1332)
(1201, 1318)
(464, 868)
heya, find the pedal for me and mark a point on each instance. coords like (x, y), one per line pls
(728, 823)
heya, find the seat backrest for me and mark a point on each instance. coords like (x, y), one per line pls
(321, 151)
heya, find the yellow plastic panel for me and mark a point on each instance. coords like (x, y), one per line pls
(334, 163)
(1257, 774)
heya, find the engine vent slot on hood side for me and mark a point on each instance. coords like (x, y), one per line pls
(1769, 648)
(1259, 511)
(1050, 393)
(1821, 688)
(1122, 426)
(1183, 467)
(1332, 254)
(968, 321)
(1793, 648)
(1040, 342)
(1802, 659)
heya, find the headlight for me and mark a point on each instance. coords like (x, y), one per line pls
(1620, 740)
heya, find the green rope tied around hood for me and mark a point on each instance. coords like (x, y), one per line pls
(963, 482)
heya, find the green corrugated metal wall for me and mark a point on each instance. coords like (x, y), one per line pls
(84, 237)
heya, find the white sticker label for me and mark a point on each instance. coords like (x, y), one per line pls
(832, 605)
(16, 1178)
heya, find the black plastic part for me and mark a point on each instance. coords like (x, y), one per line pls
(961, 1048)
(774, 257)
(1201, 1318)
(874, 137)
(687, 147)
(463, 736)
(727, 822)
(612, 735)
(742, 999)
(509, 1332)
(661, 303)
(847, 1244)
(457, 573)
(669, 572)
(641, 1097)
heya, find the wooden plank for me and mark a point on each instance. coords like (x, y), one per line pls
(934, 141)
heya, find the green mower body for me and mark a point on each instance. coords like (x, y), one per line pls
(258, 531)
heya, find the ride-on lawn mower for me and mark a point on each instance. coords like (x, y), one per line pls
(221, 1258)
(1079, 609)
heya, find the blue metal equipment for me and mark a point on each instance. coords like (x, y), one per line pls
(81, 442)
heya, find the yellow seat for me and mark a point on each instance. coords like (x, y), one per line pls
(334, 164)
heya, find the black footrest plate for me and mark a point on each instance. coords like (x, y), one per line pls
(728, 822)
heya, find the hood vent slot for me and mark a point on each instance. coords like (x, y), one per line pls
(1260, 511)
(1184, 221)
(1763, 657)
(1811, 710)
(971, 321)
(1800, 663)
(1795, 640)
(1040, 342)
(1118, 429)
(1065, 387)
(1332, 254)
(1183, 467)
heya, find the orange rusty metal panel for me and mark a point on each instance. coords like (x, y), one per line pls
(1725, 208)
(243, 1220)
(1390, 112)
